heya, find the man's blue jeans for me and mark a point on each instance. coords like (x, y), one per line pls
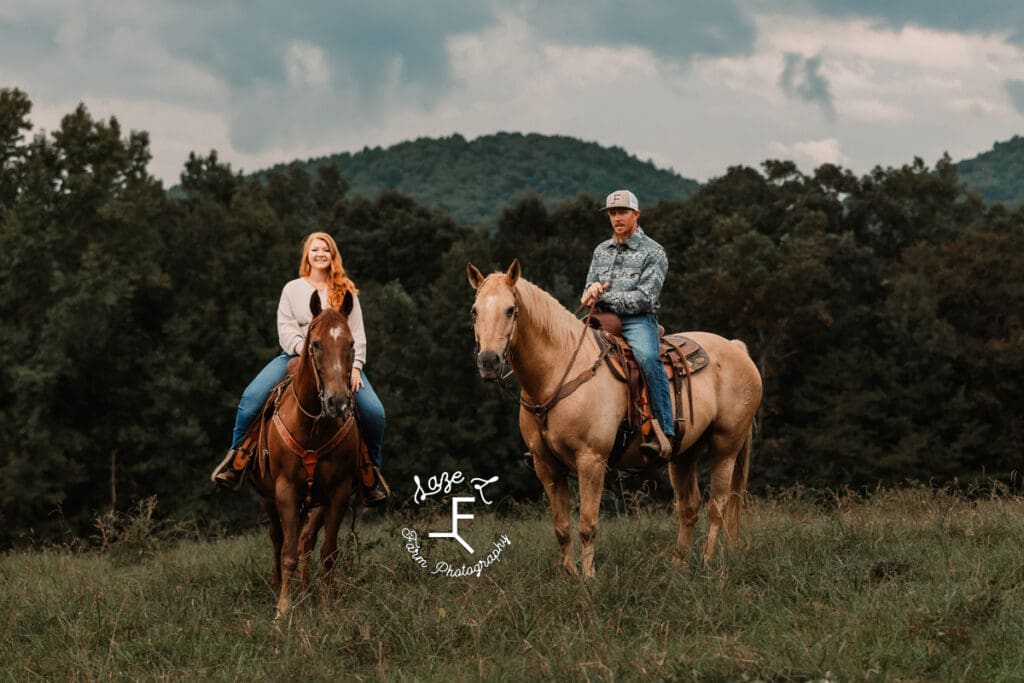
(371, 410)
(641, 331)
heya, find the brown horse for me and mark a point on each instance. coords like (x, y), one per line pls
(313, 446)
(518, 323)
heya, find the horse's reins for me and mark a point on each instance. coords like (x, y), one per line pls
(540, 410)
(319, 389)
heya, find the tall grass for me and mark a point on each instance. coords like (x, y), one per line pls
(907, 584)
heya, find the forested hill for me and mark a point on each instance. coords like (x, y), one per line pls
(998, 175)
(473, 181)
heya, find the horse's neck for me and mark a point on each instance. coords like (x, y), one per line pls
(544, 343)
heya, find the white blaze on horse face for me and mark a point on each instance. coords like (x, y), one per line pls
(491, 311)
(335, 333)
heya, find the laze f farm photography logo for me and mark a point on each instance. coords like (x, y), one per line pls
(461, 558)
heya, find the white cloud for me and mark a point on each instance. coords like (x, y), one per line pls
(903, 69)
(875, 111)
(306, 65)
(975, 106)
(812, 153)
(896, 93)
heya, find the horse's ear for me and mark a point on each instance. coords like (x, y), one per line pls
(314, 303)
(347, 303)
(476, 278)
(513, 273)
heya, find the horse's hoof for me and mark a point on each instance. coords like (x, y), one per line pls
(283, 606)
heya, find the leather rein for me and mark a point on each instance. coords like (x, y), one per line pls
(541, 409)
(319, 391)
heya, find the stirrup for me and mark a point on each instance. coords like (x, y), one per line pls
(379, 493)
(220, 476)
(659, 444)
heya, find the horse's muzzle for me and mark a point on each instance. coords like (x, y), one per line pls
(338, 406)
(489, 365)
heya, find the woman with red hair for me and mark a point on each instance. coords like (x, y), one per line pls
(320, 270)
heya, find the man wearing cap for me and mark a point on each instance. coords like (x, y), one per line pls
(625, 277)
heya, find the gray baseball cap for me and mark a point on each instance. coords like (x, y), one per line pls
(621, 198)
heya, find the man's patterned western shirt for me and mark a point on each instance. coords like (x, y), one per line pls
(635, 270)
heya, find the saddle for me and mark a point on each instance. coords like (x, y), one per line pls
(255, 443)
(681, 357)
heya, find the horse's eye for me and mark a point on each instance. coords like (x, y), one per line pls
(314, 345)
(472, 313)
(510, 311)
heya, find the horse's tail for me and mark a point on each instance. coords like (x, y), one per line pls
(738, 488)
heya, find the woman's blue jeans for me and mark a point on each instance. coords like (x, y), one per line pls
(371, 410)
(641, 331)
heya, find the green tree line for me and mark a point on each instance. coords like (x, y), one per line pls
(884, 312)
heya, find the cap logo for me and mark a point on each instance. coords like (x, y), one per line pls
(621, 199)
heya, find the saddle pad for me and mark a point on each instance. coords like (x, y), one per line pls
(693, 351)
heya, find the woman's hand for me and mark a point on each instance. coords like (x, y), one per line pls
(357, 380)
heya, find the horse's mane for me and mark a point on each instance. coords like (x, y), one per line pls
(550, 318)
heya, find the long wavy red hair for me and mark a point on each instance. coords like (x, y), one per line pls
(338, 282)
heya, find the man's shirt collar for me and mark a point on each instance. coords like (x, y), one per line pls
(633, 242)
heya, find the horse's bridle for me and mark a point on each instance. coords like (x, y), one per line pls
(309, 457)
(319, 388)
(506, 354)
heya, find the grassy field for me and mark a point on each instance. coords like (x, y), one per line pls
(904, 585)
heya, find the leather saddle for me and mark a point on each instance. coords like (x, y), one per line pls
(681, 358)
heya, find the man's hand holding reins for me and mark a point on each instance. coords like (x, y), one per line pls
(593, 294)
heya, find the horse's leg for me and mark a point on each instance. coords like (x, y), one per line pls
(288, 511)
(682, 470)
(333, 517)
(738, 488)
(307, 542)
(724, 451)
(591, 469)
(276, 540)
(556, 486)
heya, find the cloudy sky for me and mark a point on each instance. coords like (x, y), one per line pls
(693, 85)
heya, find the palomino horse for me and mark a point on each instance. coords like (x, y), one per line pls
(518, 323)
(313, 448)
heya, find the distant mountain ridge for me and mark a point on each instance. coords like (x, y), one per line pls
(998, 175)
(474, 180)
